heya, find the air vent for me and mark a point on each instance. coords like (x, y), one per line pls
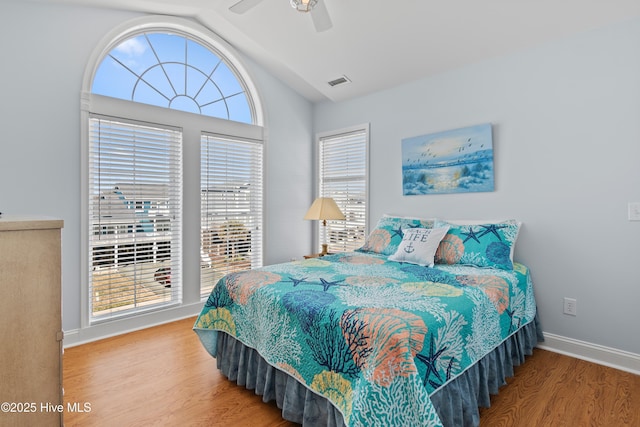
(339, 81)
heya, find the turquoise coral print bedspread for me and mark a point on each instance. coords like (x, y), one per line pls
(373, 336)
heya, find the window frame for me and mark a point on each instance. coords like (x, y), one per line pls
(320, 137)
(114, 216)
(128, 110)
(231, 237)
(170, 82)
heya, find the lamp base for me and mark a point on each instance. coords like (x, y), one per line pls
(324, 250)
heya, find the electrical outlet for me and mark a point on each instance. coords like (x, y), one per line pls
(570, 306)
(634, 211)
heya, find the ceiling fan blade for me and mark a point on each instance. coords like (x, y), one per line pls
(244, 5)
(321, 18)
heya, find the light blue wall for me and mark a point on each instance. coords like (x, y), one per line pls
(566, 122)
(566, 139)
(45, 50)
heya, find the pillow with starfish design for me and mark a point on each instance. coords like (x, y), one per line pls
(489, 244)
(419, 245)
(389, 231)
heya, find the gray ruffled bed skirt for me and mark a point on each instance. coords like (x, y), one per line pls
(457, 402)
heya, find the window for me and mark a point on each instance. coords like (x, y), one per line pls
(172, 71)
(135, 172)
(231, 207)
(343, 175)
(158, 99)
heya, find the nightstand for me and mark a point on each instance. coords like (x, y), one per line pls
(318, 255)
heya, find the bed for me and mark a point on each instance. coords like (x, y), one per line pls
(418, 327)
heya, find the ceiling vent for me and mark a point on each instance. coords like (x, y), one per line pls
(339, 81)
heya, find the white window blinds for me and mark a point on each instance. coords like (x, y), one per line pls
(135, 202)
(231, 207)
(342, 175)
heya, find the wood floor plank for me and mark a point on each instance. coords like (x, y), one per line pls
(551, 389)
(163, 376)
(160, 376)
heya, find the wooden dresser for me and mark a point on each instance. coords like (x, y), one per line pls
(30, 322)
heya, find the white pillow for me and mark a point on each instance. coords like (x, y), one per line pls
(419, 245)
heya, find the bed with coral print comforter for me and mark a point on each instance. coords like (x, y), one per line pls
(373, 336)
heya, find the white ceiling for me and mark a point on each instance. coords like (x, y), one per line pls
(379, 44)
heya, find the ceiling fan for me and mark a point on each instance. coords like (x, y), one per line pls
(317, 9)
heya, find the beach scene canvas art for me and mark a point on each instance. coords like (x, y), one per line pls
(453, 161)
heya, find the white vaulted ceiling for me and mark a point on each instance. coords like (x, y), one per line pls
(379, 44)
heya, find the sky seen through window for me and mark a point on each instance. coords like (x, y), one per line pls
(172, 71)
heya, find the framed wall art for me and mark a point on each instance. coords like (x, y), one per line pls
(453, 161)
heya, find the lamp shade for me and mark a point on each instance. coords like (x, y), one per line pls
(324, 208)
(303, 5)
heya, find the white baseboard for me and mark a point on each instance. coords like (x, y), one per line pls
(614, 358)
(100, 331)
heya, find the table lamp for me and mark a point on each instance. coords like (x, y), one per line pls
(324, 208)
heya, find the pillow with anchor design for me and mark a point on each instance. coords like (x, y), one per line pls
(419, 245)
(388, 232)
(489, 244)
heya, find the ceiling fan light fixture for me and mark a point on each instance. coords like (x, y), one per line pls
(303, 5)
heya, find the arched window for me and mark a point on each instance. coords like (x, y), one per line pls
(172, 71)
(139, 186)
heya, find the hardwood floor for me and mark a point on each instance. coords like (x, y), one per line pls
(162, 376)
(555, 390)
